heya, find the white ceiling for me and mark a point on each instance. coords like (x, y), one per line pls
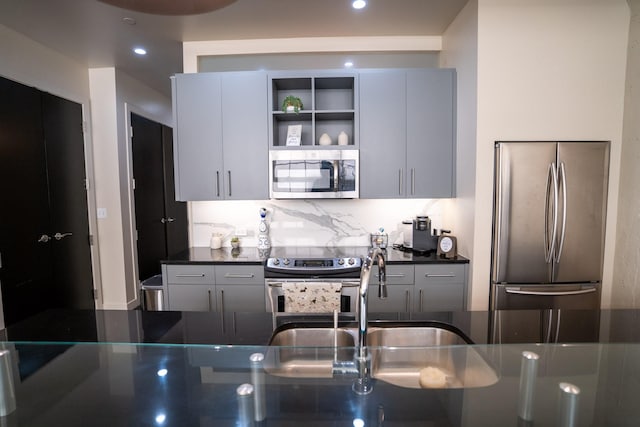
(94, 33)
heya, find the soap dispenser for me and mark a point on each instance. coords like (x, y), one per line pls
(263, 231)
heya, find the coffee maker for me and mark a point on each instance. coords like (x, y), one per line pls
(423, 241)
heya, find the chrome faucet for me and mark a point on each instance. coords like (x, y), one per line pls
(363, 385)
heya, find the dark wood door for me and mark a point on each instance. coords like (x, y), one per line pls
(64, 141)
(161, 222)
(175, 212)
(25, 247)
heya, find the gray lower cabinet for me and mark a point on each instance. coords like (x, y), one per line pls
(220, 136)
(440, 287)
(407, 133)
(240, 287)
(400, 287)
(215, 288)
(420, 287)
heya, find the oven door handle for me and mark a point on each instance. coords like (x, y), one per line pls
(350, 284)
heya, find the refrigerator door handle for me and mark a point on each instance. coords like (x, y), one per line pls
(519, 291)
(563, 180)
(550, 241)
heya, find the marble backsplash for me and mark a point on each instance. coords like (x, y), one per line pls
(327, 223)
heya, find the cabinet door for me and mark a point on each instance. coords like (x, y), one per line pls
(398, 299)
(184, 297)
(430, 133)
(198, 136)
(440, 287)
(245, 135)
(382, 134)
(240, 298)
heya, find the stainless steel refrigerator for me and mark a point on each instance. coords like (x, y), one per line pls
(548, 224)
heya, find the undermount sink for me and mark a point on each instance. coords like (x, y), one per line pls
(401, 354)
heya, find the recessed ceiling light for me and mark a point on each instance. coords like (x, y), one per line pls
(128, 20)
(140, 51)
(358, 4)
(348, 64)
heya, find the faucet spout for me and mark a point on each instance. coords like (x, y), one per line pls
(363, 384)
(376, 254)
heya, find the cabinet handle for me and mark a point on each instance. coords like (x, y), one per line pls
(420, 307)
(400, 181)
(440, 275)
(407, 301)
(229, 174)
(209, 298)
(222, 300)
(239, 276)
(413, 181)
(390, 275)
(217, 184)
(190, 275)
(44, 238)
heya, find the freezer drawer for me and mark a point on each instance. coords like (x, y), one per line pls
(523, 297)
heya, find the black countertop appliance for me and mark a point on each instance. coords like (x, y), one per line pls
(423, 240)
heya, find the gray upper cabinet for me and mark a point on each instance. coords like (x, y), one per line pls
(407, 133)
(197, 136)
(245, 136)
(383, 133)
(431, 133)
(221, 136)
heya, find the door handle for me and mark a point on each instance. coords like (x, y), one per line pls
(563, 180)
(44, 239)
(165, 220)
(519, 291)
(238, 276)
(60, 236)
(550, 241)
(170, 219)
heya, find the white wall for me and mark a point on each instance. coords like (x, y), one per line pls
(113, 95)
(626, 277)
(547, 70)
(460, 51)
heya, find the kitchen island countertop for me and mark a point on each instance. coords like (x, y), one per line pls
(135, 376)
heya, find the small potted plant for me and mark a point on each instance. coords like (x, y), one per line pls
(291, 104)
(235, 242)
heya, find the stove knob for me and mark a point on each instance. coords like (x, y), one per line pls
(351, 261)
(276, 261)
(341, 261)
(286, 261)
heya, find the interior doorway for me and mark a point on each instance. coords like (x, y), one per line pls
(161, 222)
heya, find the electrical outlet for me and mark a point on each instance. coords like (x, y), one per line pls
(241, 232)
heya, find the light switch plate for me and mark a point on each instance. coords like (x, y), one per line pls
(102, 213)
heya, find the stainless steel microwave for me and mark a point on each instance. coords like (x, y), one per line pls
(313, 174)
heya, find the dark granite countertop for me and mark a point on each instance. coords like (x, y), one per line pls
(252, 255)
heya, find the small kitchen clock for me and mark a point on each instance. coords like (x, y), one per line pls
(447, 246)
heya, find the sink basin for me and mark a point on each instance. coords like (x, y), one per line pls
(420, 355)
(308, 352)
(427, 357)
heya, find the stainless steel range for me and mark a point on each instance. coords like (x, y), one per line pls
(319, 272)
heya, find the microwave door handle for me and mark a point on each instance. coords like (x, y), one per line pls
(336, 175)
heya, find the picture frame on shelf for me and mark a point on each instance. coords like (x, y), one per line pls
(294, 135)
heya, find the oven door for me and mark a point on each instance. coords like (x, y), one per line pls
(313, 174)
(275, 301)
